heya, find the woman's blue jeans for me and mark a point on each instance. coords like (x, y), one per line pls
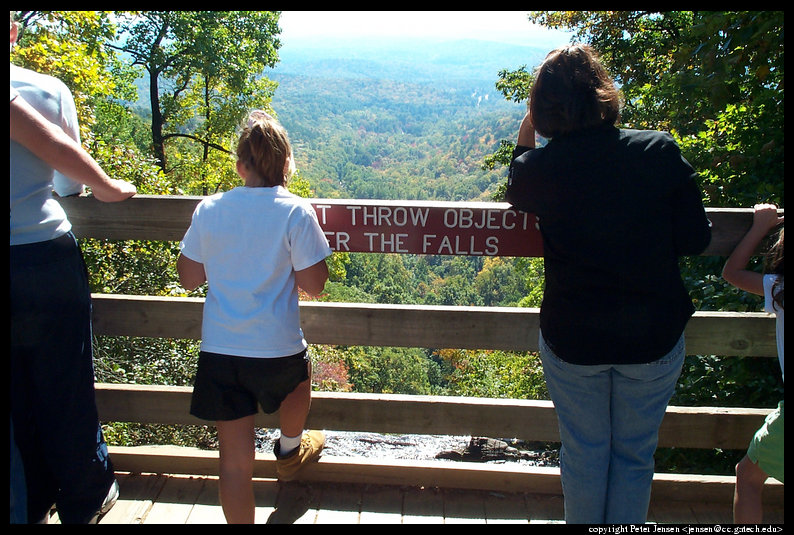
(609, 417)
(53, 407)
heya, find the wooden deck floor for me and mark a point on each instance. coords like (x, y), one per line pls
(169, 499)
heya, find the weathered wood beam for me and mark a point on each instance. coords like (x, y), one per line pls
(533, 420)
(165, 217)
(356, 324)
(494, 477)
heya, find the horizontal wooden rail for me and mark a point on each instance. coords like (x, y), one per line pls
(532, 420)
(457, 475)
(506, 477)
(708, 333)
(410, 227)
(370, 226)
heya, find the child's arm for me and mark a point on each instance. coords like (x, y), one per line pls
(312, 279)
(191, 273)
(764, 219)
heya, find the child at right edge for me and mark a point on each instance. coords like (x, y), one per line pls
(764, 456)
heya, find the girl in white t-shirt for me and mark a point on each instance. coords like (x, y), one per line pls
(254, 246)
(765, 455)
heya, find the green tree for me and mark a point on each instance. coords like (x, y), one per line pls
(73, 47)
(201, 62)
(494, 374)
(498, 283)
(390, 370)
(714, 79)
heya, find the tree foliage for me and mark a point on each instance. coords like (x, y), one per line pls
(73, 47)
(714, 79)
(493, 374)
(203, 64)
(384, 139)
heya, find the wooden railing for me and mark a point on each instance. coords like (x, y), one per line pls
(422, 228)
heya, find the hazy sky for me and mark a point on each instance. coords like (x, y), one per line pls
(501, 26)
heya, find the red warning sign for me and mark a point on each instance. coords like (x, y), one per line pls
(416, 227)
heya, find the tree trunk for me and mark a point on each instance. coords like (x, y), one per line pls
(158, 146)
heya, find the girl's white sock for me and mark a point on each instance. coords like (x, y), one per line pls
(287, 444)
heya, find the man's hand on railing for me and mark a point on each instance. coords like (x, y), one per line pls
(113, 190)
(53, 146)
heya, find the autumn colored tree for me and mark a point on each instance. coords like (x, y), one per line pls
(72, 46)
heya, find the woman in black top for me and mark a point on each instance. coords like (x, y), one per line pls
(616, 208)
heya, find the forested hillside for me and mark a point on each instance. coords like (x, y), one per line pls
(374, 138)
(397, 119)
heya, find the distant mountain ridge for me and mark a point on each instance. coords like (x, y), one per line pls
(412, 60)
(405, 60)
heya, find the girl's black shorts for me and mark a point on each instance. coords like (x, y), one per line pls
(229, 387)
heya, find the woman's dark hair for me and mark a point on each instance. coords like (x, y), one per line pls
(572, 91)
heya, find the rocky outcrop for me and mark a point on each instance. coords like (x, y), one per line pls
(484, 449)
